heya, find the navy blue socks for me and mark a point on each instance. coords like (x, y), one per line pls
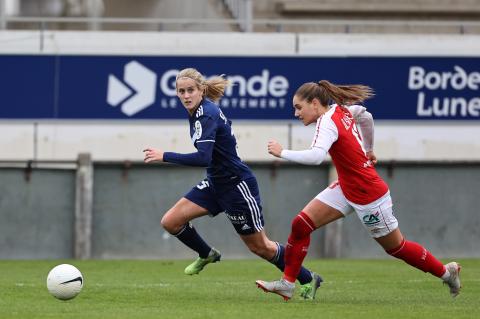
(189, 236)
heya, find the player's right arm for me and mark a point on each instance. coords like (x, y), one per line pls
(204, 141)
(153, 155)
(313, 156)
(325, 135)
(201, 158)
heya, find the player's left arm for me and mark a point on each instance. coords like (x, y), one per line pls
(364, 119)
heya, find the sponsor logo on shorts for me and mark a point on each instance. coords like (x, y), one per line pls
(371, 219)
(237, 219)
(246, 227)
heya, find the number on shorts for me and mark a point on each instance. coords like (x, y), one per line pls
(202, 185)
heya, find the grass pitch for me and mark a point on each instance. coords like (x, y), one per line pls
(159, 289)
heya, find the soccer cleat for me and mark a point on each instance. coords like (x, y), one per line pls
(280, 287)
(197, 266)
(309, 290)
(454, 281)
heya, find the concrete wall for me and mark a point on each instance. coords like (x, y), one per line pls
(170, 10)
(128, 207)
(436, 205)
(36, 221)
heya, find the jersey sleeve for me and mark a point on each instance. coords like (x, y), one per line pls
(201, 158)
(313, 156)
(326, 133)
(205, 129)
(364, 120)
(356, 110)
(203, 137)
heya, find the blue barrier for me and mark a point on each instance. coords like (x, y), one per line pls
(142, 87)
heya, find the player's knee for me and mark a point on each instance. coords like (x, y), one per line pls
(302, 226)
(260, 250)
(169, 224)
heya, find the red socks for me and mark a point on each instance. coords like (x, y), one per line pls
(297, 245)
(296, 250)
(417, 256)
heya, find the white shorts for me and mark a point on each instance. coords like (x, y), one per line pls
(377, 217)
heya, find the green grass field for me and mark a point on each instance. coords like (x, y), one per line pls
(159, 289)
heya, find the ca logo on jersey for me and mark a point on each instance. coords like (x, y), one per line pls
(198, 131)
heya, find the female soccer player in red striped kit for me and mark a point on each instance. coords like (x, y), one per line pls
(359, 188)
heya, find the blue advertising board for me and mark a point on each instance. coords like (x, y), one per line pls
(143, 87)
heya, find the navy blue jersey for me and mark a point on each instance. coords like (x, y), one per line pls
(212, 136)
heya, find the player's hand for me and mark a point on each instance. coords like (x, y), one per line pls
(153, 155)
(371, 156)
(274, 148)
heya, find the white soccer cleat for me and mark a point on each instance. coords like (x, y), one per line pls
(280, 287)
(454, 281)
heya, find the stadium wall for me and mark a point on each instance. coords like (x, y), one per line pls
(402, 139)
(435, 204)
(130, 197)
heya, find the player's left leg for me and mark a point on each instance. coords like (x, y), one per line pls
(419, 257)
(378, 218)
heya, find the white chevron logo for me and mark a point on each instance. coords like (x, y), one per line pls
(136, 93)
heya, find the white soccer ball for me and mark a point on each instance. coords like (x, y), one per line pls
(64, 281)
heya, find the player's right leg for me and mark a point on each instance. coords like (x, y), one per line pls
(273, 252)
(197, 266)
(243, 207)
(198, 202)
(314, 215)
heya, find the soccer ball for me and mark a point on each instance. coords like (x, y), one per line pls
(64, 281)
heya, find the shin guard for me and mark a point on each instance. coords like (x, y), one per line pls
(417, 256)
(297, 246)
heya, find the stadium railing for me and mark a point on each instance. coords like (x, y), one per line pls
(247, 24)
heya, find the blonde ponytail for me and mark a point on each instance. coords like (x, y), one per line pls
(213, 88)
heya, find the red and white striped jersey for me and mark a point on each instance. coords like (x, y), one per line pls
(337, 134)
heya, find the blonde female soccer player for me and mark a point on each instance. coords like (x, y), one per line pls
(230, 186)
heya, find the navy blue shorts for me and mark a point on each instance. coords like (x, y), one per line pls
(240, 202)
